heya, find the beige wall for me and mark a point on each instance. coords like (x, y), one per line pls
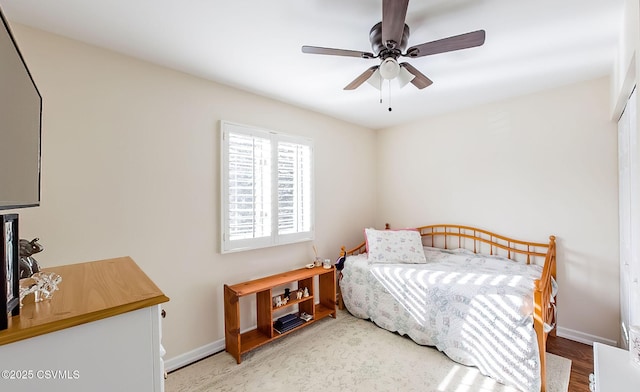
(130, 166)
(526, 167)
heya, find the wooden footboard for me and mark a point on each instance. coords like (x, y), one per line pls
(545, 307)
(447, 236)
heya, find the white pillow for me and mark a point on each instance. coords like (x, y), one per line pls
(394, 246)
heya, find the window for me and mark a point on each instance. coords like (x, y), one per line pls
(267, 188)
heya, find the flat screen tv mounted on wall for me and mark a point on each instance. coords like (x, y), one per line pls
(20, 127)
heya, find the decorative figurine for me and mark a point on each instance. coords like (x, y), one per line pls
(48, 283)
(32, 281)
(306, 292)
(29, 265)
(28, 286)
(278, 301)
(41, 284)
(298, 294)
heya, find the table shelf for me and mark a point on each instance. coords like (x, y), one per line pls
(237, 343)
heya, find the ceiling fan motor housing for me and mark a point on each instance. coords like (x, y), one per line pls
(380, 48)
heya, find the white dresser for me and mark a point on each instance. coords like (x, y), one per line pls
(614, 371)
(100, 332)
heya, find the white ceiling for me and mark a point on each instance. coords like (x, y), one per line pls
(255, 45)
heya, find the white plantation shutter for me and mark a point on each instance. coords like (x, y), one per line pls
(249, 187)
(294, 188)
(266, 188)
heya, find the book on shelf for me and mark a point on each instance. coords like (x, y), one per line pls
(287, 318)
(282, 328)
(282, 324)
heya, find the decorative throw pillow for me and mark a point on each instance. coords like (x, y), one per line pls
(394, 246)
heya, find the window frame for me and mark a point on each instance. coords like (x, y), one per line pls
(274, 239)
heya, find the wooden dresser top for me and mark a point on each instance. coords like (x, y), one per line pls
(88, 292)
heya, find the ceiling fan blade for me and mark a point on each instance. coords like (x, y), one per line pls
(449, 44)
(362, 78)
(420, 81)
(394, 13)
(336, 52)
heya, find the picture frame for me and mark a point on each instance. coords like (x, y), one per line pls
(9, 269)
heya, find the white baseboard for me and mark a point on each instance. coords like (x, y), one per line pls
(583, 337)
(192, 356)
(197, 354)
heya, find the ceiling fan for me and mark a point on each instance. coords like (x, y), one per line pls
(389, 40)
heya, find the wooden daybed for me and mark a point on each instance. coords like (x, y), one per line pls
(461, 239)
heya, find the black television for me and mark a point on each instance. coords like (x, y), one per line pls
(20, 127)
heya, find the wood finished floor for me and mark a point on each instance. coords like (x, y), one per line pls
(581, 356)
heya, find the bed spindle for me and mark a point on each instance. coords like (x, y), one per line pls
(445, 238)
(475, 242)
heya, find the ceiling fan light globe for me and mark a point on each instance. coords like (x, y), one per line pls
(404, 77)
(375, 80)
(389, 69)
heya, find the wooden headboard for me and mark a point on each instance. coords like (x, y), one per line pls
(449, 236)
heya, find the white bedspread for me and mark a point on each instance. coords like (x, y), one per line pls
(476, 309)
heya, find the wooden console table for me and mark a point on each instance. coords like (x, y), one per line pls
(239, 343)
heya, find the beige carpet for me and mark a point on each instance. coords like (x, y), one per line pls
(344, 354)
